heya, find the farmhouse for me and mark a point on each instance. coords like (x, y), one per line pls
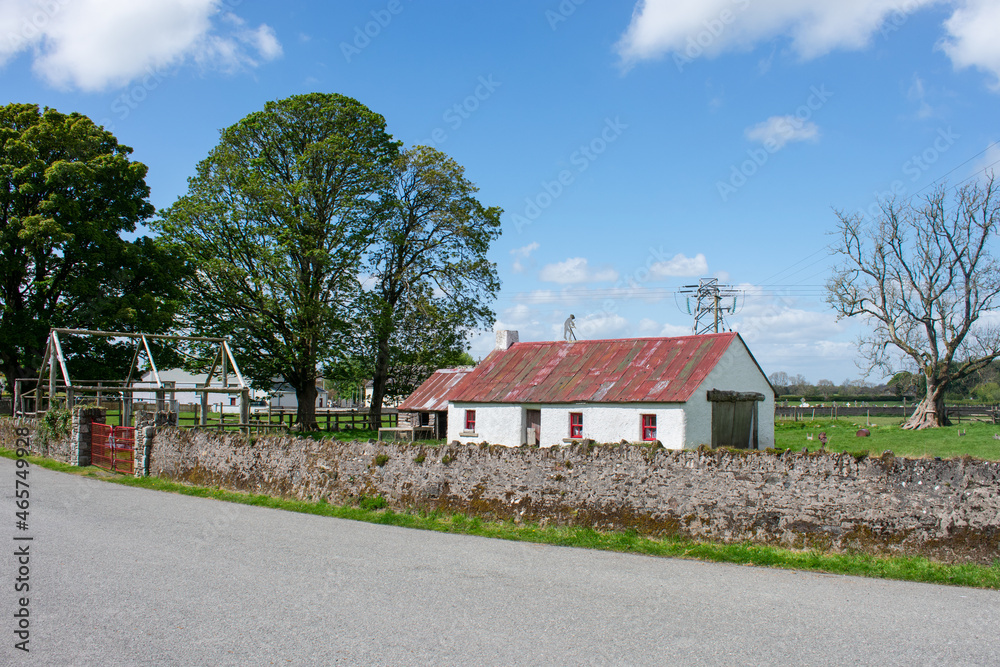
(283, 396)
(684, 392)
(179, 383)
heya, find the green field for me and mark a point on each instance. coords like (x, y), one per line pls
(886, 434)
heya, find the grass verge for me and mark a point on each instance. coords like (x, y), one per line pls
(371, 510)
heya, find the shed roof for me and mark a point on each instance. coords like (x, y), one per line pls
(656, 370)
(432, 395)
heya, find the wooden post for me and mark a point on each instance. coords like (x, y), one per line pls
(125, 417)
(52, 375)
(245, 408)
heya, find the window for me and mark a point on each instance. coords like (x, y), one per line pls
(425, 419)
(649, 427)
(470, 421)
(576, 424)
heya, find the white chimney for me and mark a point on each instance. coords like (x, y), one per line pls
(505, 339)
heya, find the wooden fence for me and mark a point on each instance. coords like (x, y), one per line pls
(957, 413)
(328, 420)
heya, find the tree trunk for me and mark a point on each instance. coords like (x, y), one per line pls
(306, 412)
(13, 370)
(379, 380)
(931, 411)
(10, 374)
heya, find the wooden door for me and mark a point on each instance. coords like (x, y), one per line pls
(533, 419)
(734, 424)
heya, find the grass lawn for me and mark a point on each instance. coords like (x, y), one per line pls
(886, 434)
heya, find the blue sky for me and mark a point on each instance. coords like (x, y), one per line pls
(634, 147)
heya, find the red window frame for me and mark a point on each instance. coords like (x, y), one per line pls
(649, 427)
(470, 420)
(576, 424)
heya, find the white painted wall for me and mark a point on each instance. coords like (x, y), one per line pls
(506, 424)
(736, 371)
(496, 424)
(612, 422)
(285, 398)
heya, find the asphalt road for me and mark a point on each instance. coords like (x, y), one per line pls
(122, 576)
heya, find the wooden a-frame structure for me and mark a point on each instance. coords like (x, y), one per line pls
(53, 357)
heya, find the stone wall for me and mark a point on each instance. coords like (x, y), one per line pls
(8, 432)
(61, 448)
(949, 510)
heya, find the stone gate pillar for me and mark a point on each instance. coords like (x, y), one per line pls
(80, 436)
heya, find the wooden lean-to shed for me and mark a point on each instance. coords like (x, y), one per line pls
(684, 392)
(426, 409)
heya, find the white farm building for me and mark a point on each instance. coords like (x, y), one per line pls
(683, 392)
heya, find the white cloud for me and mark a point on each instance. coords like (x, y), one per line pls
(691, 29)
(525, 251)
(522, 254)
(989, 161)
(670, 330)
(518, 314)
(98, 44)
(918, 93)
(650, 328)
(972, 37)
(576, 270)
(777, 131)
(782, 320)
(265, 41)
(789, 325)
(539, 296)
(680, 266)
(598, 327)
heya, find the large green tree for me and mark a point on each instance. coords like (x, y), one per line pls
(922, 275)
(68, 192)
(431, 280)
(276, 223)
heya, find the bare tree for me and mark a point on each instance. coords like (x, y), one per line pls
(922, 275)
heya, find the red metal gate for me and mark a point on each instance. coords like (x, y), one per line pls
(113, 447)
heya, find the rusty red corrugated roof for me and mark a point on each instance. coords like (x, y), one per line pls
(655, 370)
(432, 395)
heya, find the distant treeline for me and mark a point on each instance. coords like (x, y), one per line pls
(842, 398)
(982, 387)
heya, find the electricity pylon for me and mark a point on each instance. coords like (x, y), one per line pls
(712, 303)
